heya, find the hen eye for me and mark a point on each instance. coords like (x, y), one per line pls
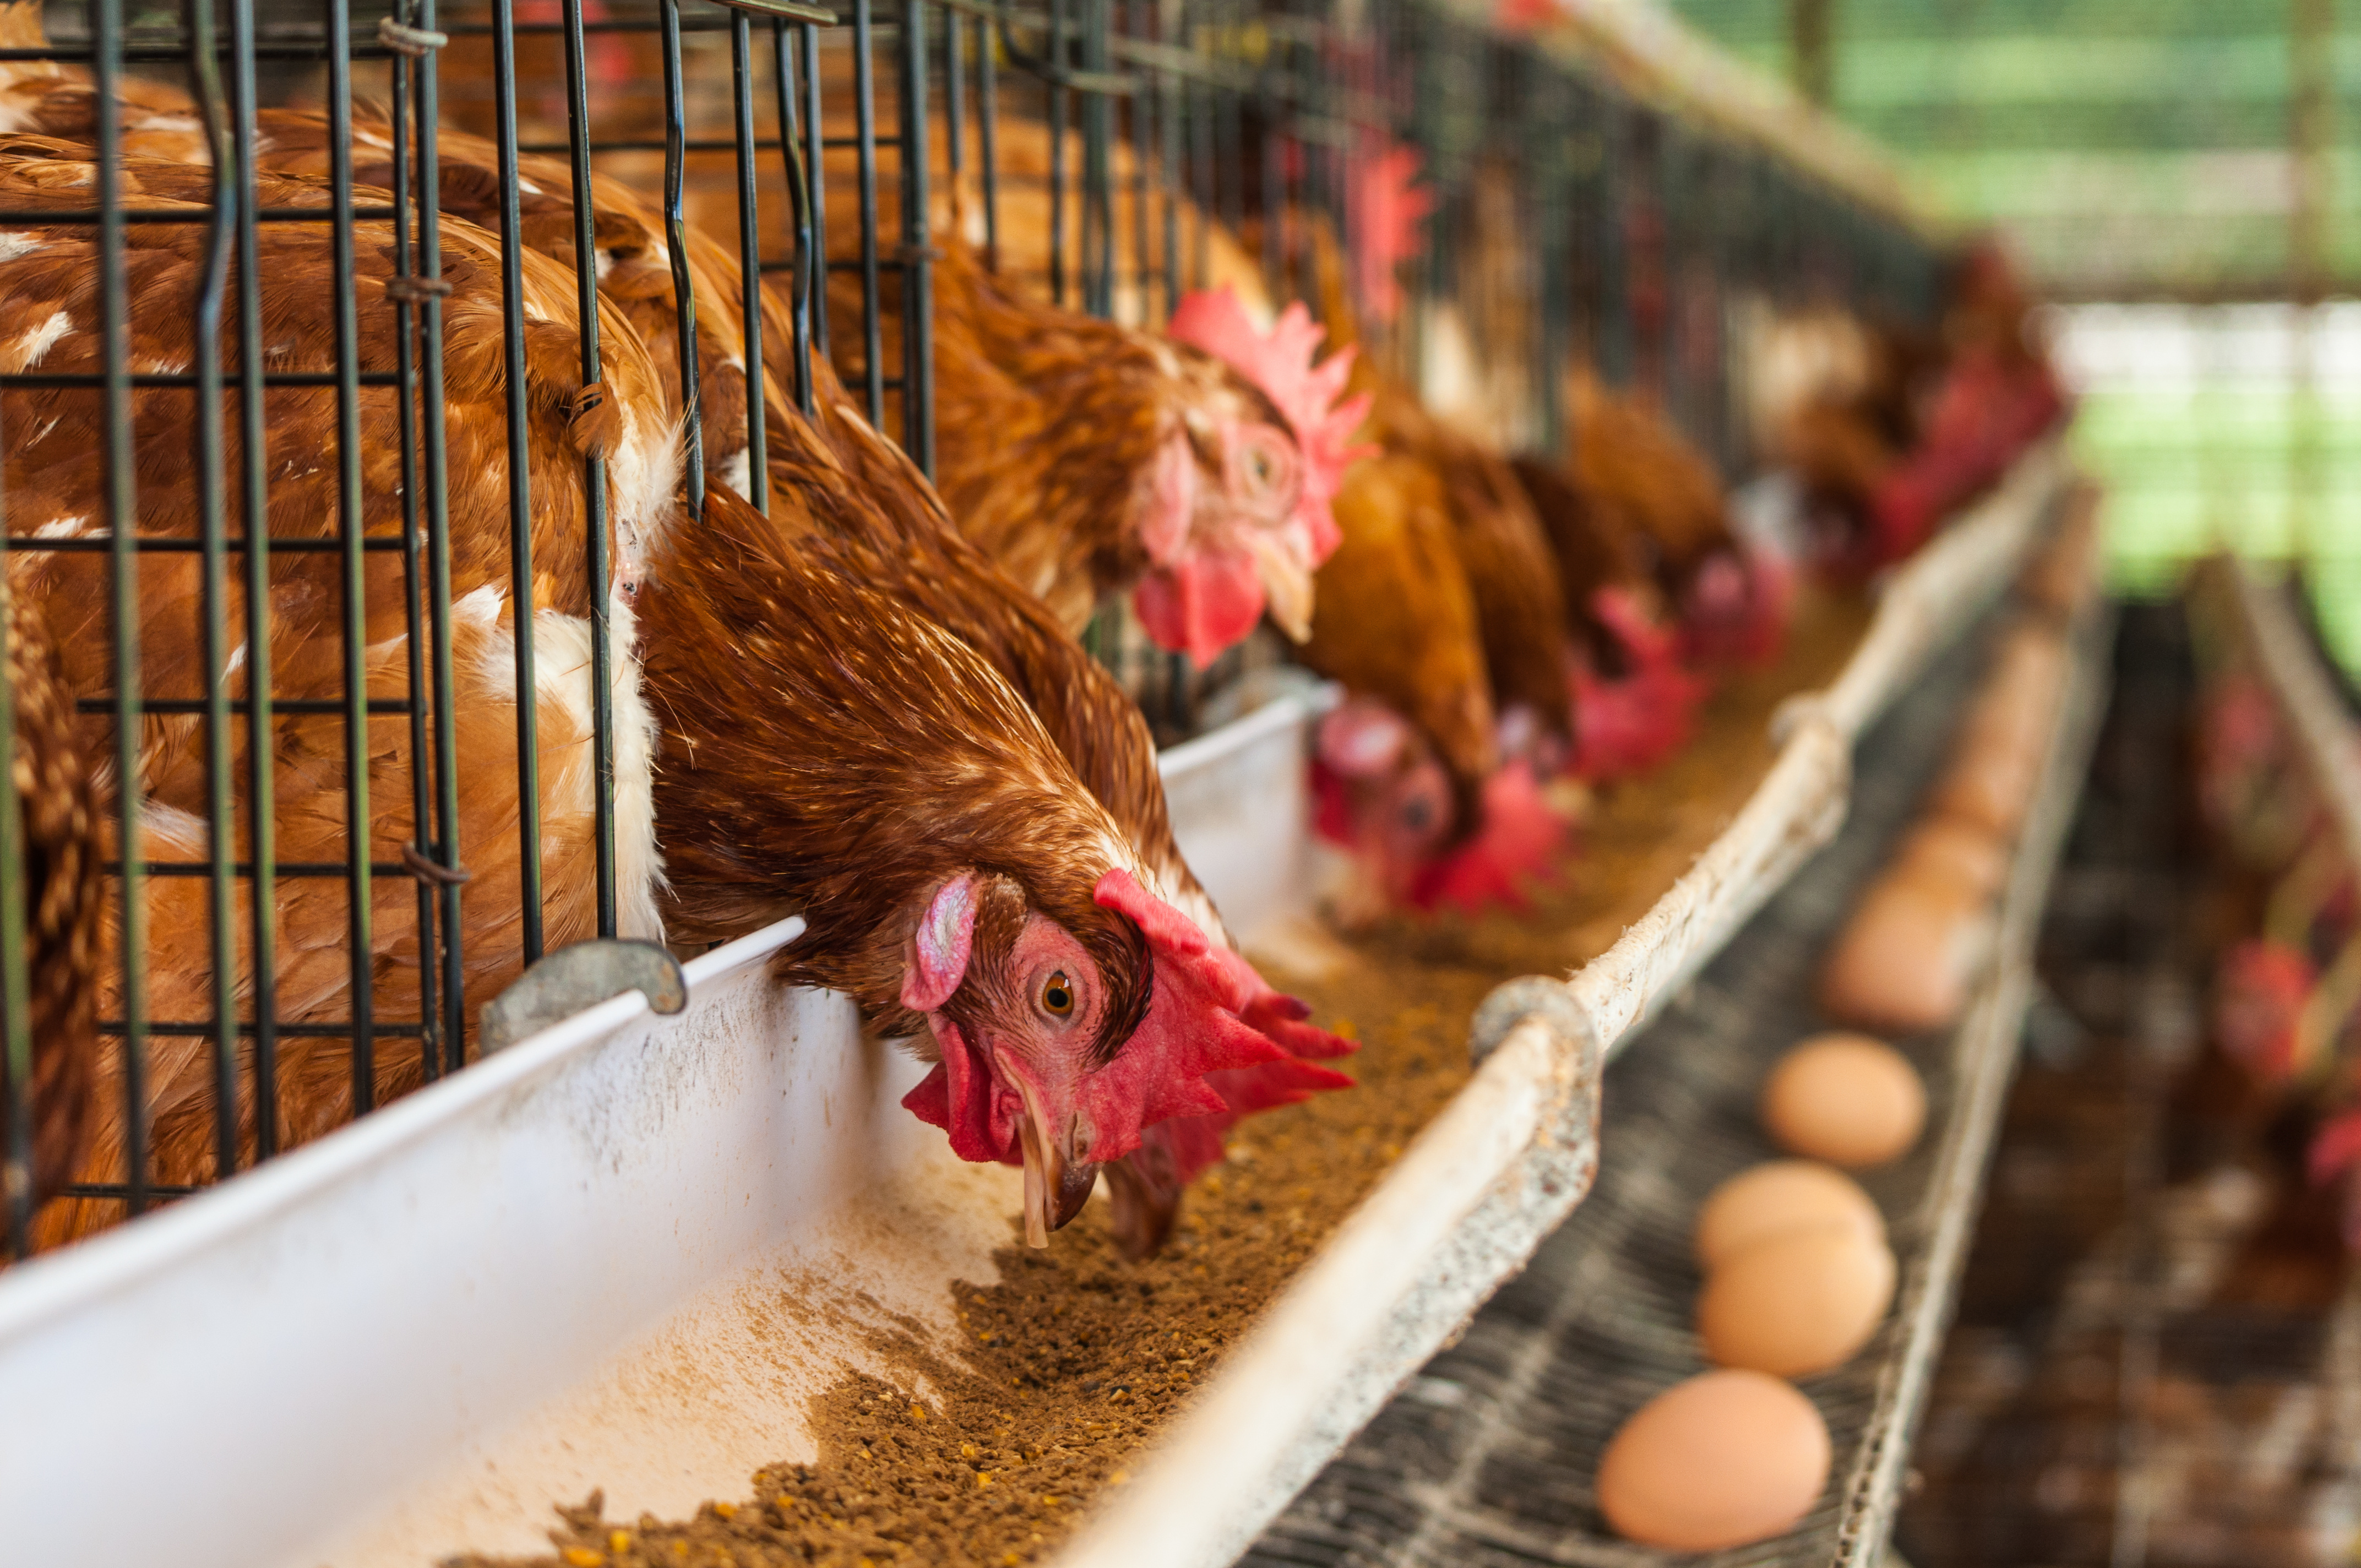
(1417, 813)
(1058, 995)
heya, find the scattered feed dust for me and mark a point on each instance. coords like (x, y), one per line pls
(1076, 1357)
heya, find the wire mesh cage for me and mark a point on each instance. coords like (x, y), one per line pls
(325, 328)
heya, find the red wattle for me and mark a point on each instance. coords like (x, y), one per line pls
(1200, 605)
(1517, 841)
(2260, 997)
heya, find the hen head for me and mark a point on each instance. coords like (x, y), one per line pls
(1057, 1053)
(1384, 798)
(1734, 608)
(1635, 704)
(1239, 512)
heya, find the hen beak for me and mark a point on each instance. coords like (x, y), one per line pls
(1286, 584)
(1056, 1184)
(1146, 1201)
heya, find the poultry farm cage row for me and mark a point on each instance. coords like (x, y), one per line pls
(299, 915)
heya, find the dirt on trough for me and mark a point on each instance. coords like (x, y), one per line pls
(1076, 1357)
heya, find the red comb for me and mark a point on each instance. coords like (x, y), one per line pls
(2259, 999)
(2335, 1148)
(1217, 1024)
(1390, 214)
(1211, 1015)
(1631, 723)
(1281, 363)
(1517, 841)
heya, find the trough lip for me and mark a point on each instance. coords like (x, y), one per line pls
(39, 1290)
(1217, 745)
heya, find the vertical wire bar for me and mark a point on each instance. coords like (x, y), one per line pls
(987, 120)
(917, 274)
(261, 821)
(521, 586)
(1274, 195)
(1205, 137)
(435, 466)
(872, 328)
(593, 467)
(954, 96)
(1171, 85)
(1143, 149)
(1230, 130)
(1057, 108)
(16, 995)
(749, 254)
(354, 559)
(1616, 349)
(816, 185)
(221, 887)
(413, 573)
(1098, 196)
(114, 317)
(684, 298)
(520, 487)
(800, 203)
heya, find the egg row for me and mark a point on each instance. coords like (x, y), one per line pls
(1797, 1272)
(1907, 958)
(1797, 1278)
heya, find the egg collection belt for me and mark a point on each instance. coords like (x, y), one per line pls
(1488, 1456)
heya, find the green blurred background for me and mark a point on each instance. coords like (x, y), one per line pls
(2177, 175)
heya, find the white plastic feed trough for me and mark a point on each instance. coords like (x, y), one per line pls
(625, 1253)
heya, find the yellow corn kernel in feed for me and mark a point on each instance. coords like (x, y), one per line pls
(583, 1557)
(619, 1540)
(727, 1510)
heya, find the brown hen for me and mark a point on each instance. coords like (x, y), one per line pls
(54, 487)
(58, 805)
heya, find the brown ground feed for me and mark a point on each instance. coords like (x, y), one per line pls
(1076, 1357)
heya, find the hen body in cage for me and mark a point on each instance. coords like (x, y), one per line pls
(55, 490)
(1095, 726)
(60, 803)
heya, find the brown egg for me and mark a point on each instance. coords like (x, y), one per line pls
(1797, 1304)
(1906, 959)
(1845, 1099)
(1777, 1199)
(1950, 847)
(1989, 783)
(1996, 762)
(1725, 1459)
(2061, 575)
